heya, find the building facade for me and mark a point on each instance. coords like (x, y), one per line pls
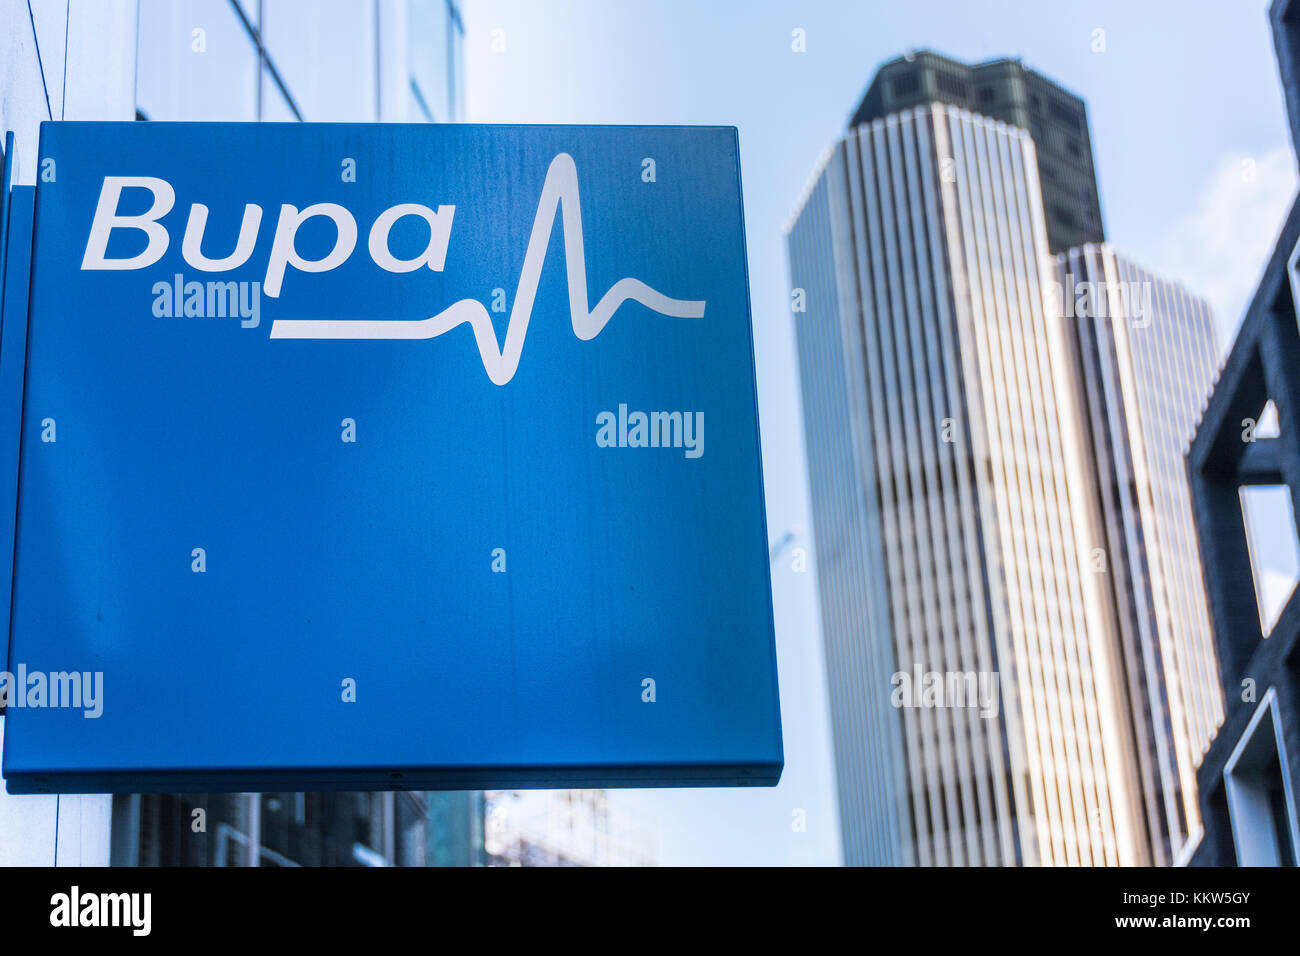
(995, 439)
(1249, 781)
(1146, 357)
(338, 61)
(395, 828)
(1007, 90)
(943, 456)
(232, 60)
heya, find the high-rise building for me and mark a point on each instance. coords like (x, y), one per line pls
(1146, 357)
(1007, 90)
(947, 532)
(994, 473)
(232, 60)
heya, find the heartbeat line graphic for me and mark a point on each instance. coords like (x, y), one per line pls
(561, 186)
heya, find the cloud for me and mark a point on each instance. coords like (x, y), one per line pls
(1218, 248)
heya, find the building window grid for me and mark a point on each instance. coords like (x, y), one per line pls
(863, 181)
(265, 62)
(1022, 461)
(855, 608)
(911, 254)
(249, 15)
(977, 271)
(819, 400)
(1261, 805)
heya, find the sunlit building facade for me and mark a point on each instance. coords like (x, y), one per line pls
(995, 441)
(1147, 358)
(945, 461)
(995, 464)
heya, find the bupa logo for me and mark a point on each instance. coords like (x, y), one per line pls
(559, 196)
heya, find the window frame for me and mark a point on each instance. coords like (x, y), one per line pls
(1253, 846)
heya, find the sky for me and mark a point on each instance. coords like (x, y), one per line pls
(1196, 173)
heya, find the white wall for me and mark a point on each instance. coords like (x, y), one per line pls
(72, 59)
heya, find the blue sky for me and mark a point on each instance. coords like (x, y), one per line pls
(1192, 154)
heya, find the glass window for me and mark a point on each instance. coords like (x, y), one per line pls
(325, 51)
(952, 85)
(428, 45)
(1259, 805)
(1274, 550)
(410, 838)
(905, 84)
(456, 61)
(252, 10)
(195, 61)
(1268, 426)
(275, 108)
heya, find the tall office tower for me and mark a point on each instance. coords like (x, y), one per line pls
(1009, 91)
(1147, 356)
(950, 485)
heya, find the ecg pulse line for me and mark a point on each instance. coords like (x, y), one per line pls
(561, 186)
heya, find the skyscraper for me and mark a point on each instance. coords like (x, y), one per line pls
(989, 682)
(1007, 90)
(955, 504)
(1146, 357)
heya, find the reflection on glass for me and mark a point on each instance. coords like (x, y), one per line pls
(429, 51)
(1274, 552)
(195, 61)
(326, 53)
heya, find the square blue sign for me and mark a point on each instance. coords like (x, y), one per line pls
(369, 456)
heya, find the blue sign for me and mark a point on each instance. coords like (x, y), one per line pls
(375, 456)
